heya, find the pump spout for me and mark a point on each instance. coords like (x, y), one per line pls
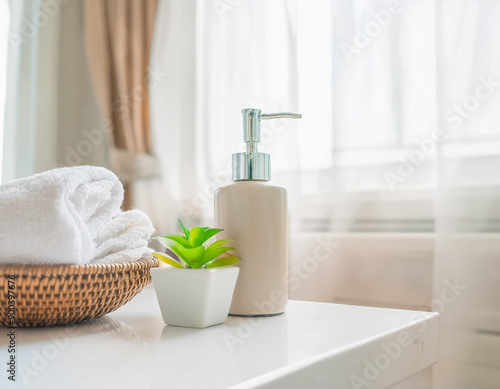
(251, 125)
(289, 115)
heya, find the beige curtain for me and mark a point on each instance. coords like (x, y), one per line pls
(118, 41)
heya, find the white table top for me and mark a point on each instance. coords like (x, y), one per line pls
(312, 345)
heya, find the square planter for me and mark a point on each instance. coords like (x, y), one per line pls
(194, 297)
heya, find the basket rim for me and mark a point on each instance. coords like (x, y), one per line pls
(73, 269)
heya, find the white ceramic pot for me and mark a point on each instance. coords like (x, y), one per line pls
(194, 297)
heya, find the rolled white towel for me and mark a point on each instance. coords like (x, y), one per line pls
(59, 216)
(126, 236)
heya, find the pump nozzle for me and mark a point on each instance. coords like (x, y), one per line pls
(278, 115)
(253, 165)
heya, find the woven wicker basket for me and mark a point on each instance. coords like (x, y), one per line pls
(48, 295)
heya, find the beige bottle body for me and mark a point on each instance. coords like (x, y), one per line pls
(254, 214)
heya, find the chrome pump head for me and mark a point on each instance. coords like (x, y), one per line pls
(252, 165)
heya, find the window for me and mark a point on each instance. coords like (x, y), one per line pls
(377, 87)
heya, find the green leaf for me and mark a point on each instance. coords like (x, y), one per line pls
(211, 254)
(227, 260)
(209, 232)
(186, 231)
(190, 247)
(192, 256)
(196, 237)
(178, 239)
(168, 260)
(219, 243)
(163, 240)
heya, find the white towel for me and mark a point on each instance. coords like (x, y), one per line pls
(63, 215)
(127, 235)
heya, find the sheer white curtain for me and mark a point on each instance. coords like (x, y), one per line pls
(219, 58)
(365, 98)
(4, 42)
(467, 206)
(22, 91)
(50, 103)
(400, 135)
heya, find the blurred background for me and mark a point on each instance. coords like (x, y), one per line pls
(392, 174)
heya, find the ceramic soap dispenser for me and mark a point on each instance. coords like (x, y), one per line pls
(253, 212)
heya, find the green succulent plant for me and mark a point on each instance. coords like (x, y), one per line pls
(193, 250)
